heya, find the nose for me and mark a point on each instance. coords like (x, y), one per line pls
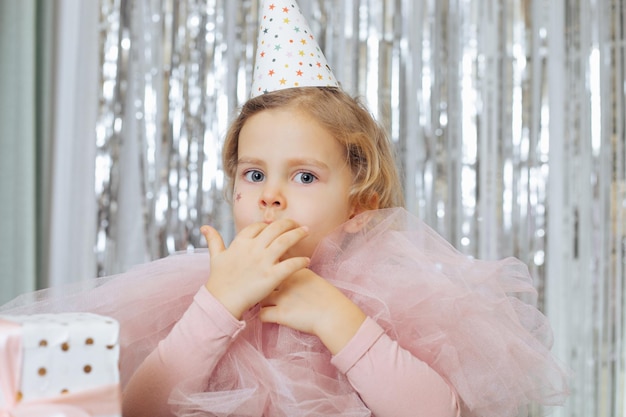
(272, 197)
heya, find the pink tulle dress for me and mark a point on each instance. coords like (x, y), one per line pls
(472, 321)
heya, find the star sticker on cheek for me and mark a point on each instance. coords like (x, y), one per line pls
(238, 197)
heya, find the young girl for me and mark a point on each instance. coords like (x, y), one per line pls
(303, 162)
(331, 299)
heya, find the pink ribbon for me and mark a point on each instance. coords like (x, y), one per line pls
(88, 403)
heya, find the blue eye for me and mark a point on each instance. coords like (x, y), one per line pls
(305, 178)
(254, 176)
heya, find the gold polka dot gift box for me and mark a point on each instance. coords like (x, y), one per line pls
(59, 365)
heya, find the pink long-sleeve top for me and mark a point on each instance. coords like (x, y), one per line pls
(389, 380)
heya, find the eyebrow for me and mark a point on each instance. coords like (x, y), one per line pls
(291, 162)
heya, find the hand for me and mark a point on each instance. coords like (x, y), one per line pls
(251, 267)
(308, 303)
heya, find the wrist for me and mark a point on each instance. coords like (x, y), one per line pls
(230, 303)
(339, 326)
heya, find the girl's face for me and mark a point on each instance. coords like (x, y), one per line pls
(291, 167)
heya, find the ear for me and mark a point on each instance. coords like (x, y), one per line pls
(358, 221)
(361, 215)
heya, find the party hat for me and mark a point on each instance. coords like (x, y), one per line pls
(287, 53)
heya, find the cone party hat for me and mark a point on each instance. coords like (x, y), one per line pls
(287, 54)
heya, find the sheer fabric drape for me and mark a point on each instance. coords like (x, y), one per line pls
(48, 78)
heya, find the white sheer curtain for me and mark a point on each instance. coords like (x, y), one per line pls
(17, 148)
(48, 79)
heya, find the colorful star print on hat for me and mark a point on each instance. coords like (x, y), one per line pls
(287, 53)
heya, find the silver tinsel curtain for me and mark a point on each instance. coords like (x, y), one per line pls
(508, 118)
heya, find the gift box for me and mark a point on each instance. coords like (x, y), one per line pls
(61, 365)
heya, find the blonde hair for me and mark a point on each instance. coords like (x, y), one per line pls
(369, 152)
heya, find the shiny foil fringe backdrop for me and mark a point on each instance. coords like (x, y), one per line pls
(508, 119)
